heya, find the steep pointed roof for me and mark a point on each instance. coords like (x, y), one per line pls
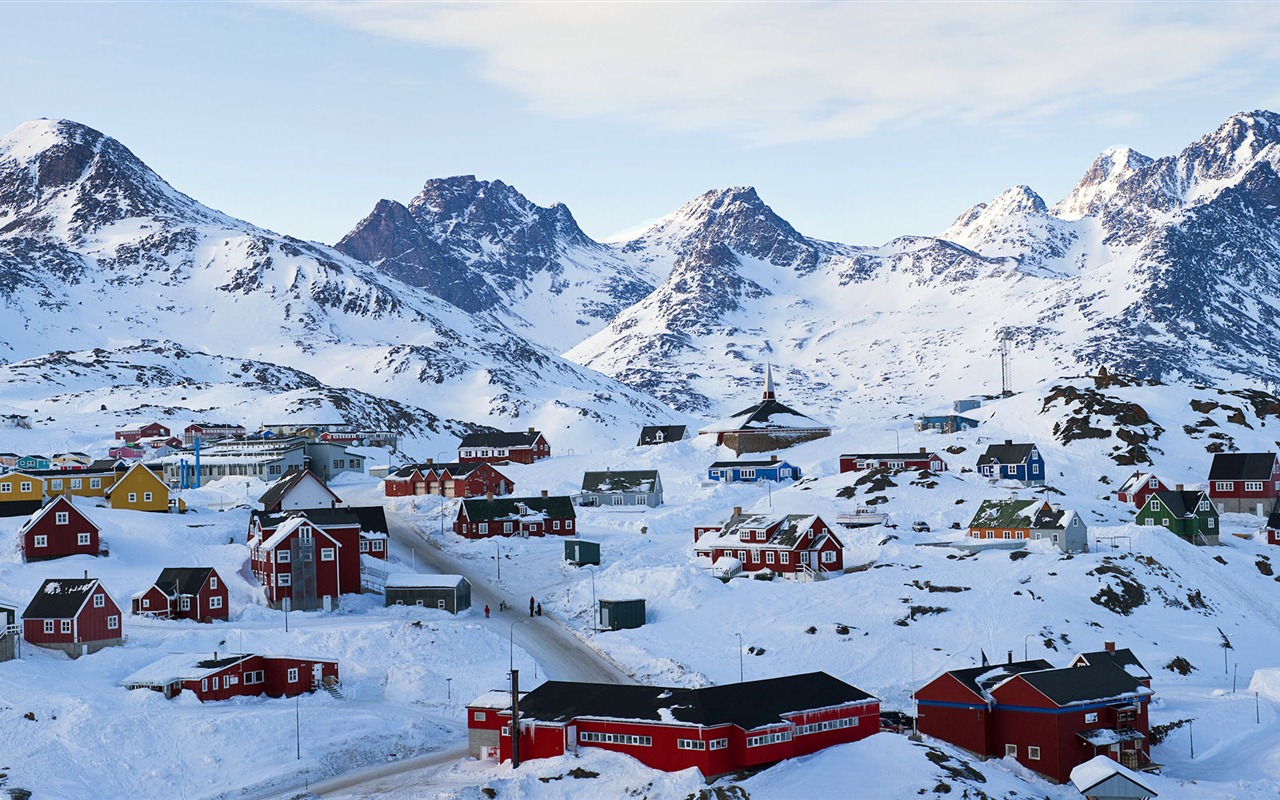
(767, 415)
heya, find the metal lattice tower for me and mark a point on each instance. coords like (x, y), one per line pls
(1006, 383)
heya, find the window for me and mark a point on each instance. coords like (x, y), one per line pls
(42, 541)
(1090, 717)
(55, 483)
(784, 558)
(828, 557)
(1155, 504)
(204, 684)
(755, 556)
(48, 626)
(61, 518)
(304, 533)
(615, 738)
(65, 627)
(555, 525)
(506, 731)
(480, 716)
(293, 675)
(133, 497)
(719, 744)
(1164, 521)
(568, 524)
(484, 527)
(506, 527)
(255, 676)
(146, 602)
(84, 539)
(215, 602)
(1011, 750)
(768, 738)
(1035, 469)
(184, 603)
(94, 483)
(213, 581)
(6, 487)
(326, 553)
(1210, 522)
(364, 546)
(1033, 753)
(146, 497)
(113, 623)
(1154, 483)
(748, 474)
(283, 579)
(1223, 486)
(768, 557)
(377, 545)
(282, 556)
(742, 556)
(26, 486)
(1203, 505)
(1253, 486)
(76, 483)
(227, 680)
(99, 601)
(690, 744)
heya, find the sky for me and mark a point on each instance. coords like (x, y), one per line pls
(856, 122)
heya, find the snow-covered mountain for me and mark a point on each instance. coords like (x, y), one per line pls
(97, 251)
(484, 247)
(1162, 268)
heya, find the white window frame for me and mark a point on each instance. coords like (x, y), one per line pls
(113, 623)
(293, 675)
(328, 553)
(1090, 717)
(1254, 486)
(84, 539)
(214, 603)
(55, 483)
(94, 483)
(1011, 750)
(66, 626)
(284, 579)
(1033, 753)
(99, 601)
(133, 497)
(282, 556)
(76, 483)
(1223, 486)
(213, 581)
(41, 541)
(48, 626)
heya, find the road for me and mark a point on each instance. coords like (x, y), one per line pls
(562, 655)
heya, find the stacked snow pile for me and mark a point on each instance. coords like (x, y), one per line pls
(1266, 682)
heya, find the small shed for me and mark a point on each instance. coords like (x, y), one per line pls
(451, 593)
(8, 631)
(1101, 778)
(614, 615)
(581, 551)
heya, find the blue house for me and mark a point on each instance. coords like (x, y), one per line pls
(752, 471)
(1009, 461)
(944, 423)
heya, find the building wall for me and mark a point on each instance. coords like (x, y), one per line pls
(61, 540)
(153, 602)
(139, 482)
(84, 484)
(761, 442)
(277, 675)
(89, 631)
(455, 600)
(307, 494)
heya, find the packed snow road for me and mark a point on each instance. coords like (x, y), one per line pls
(557, 651)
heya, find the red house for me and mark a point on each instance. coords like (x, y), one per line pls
(235, 675)
(74, 615)
(521, 447)
(303, 565)
(788, 544)
(371, 521)
(1123, 658)
(473, 479)
(1245, 482)
(717, 729)
(210, 432)
(195, 593)
(516, 516)
(1271, 529)
(152, 430)
(1138, 488)
(856, 462)
(1050, 720)
(59, 529)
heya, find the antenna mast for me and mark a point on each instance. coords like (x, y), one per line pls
(1006, 384)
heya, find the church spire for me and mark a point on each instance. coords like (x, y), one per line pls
(768, 381)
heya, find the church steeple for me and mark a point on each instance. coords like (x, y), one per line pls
(768, 382)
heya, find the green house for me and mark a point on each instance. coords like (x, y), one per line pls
(1187, 514)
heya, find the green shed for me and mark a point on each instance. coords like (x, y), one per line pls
(580, 551)
(618, 614)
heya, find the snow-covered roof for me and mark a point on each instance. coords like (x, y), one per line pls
(767, 415)
(419, 580)
(1099, 768)
(496, 698)
(180, 667)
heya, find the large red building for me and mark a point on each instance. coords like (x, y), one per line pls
(74, 615)
(473, 479)
(305, 565)
(1245, 482)
(149, 431)
(788, 544)
(522, 447)
(234, 675)
(195, 593)
(717, 729)
(59, 529)
(856, 462)
(516, 516)
(1050, 720)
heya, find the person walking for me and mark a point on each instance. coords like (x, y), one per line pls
(486, 612)
(539, 609)
(531, 604)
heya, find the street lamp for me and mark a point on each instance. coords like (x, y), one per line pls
(498, 545)
(448, 682)
(1024, 645)
(896, 441)
(594, 606)
(740, 672)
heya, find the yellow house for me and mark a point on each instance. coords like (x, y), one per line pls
(139, 489)
(20, 494)
(82, 483)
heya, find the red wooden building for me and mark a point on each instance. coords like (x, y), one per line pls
(59, 529)
(304, 565)
(74, 615)
(788, 544)
(516, 516)
(1138, 487)
(1123, 658)
(208, 432)
(196, 593)
(235, 675)
(148, 431)
(1245, 482)
(473, 479)
(1050, 720)
(522, 447)
(856, 462)
(1271, 528)
(371, 521)
(717, 729)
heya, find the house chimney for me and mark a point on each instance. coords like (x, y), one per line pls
(1110, 647)
(1010, 656)
(533, 430)
(923, 450)
(430, 461)
(488, 495)
(86, 574)
(544, 492)
(773, 459)
(1177, 487)
(215, 655)
(737, 511)
(1008, 441)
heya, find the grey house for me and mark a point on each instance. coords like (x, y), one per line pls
(9, 632)
(624, 488)
(450, 593)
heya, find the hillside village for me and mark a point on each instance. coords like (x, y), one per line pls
(1006, 605)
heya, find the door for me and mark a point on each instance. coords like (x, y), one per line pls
(317, 675)
(604, 616)
(571, 739)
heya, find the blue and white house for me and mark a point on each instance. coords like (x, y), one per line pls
(752, 471)
(1015, 462)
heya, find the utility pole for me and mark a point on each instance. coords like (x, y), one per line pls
(1006, 387)
(740, 671)
(515, 719)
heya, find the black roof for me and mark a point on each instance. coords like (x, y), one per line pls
(1180, 504)
(1101, 680)
(916, 456)
(748, 705)
(621, 481)
(759, 417)
(1122, 658)
(499, 508)
(660, 434)
(980, 679)
(500, 439)
(1241, 466)
(276, 491)
(1007, 453)
(1273, 520)
(190, 580)
(60, 598)
(776, 463)
(371, 519)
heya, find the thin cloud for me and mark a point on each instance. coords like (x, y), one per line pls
(782, 72)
